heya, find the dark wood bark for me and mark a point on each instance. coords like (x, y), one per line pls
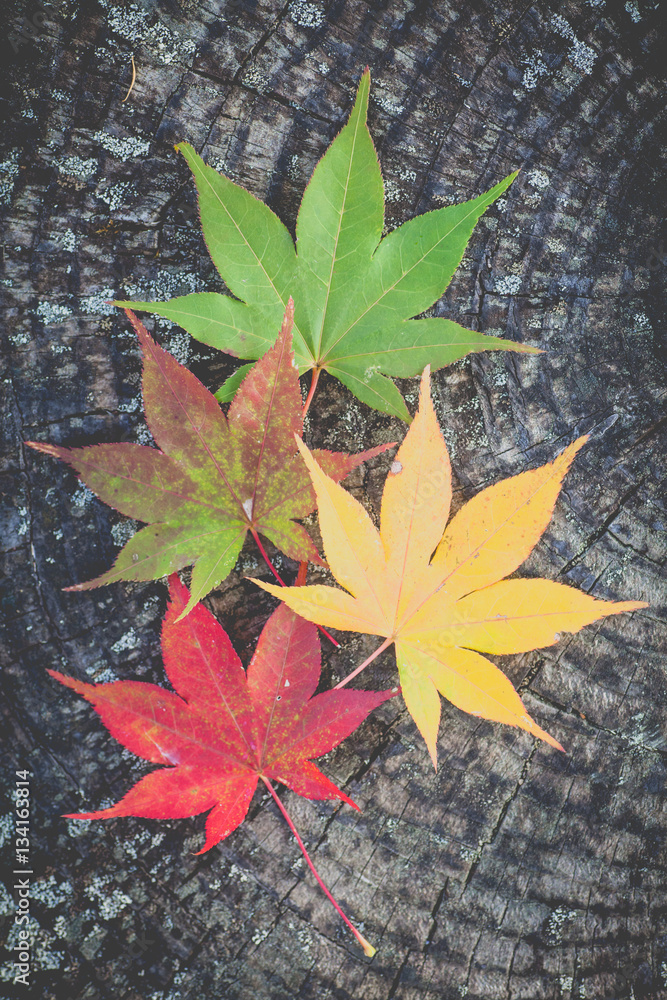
(515, 871)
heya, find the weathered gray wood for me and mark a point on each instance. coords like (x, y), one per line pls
(515, 872)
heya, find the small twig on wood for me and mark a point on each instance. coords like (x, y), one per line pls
(134, 77)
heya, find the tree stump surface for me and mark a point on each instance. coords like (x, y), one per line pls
(515, 871)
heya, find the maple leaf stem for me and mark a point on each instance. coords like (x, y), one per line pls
(369, 950)
(362, 666)
(265, 556)
(311, 392)
(280, 580)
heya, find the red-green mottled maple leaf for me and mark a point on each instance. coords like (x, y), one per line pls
(215, 477)
(224, 729)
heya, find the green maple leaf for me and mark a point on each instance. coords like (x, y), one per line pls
(355, 293)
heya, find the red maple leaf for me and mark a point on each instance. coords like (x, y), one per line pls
(225, 729)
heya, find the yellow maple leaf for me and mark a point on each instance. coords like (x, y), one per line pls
(442, 597)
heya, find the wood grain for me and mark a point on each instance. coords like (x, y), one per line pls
(515, 872)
